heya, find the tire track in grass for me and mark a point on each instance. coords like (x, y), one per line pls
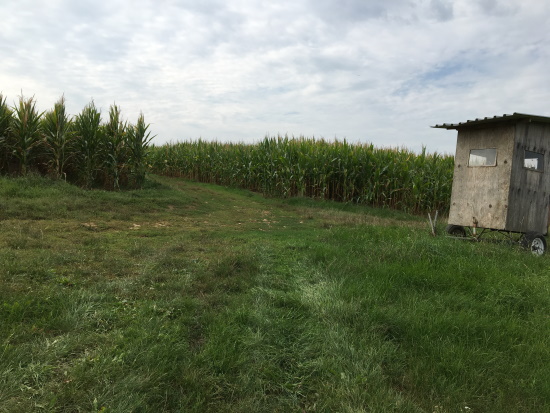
(304, 349)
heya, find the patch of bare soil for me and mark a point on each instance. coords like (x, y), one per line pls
(333, 218)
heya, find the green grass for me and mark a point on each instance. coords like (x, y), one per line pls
(193, 297)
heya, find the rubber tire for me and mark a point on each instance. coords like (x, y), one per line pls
(534, 241)
(456, 231)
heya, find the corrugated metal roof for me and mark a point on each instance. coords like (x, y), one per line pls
(495, 119)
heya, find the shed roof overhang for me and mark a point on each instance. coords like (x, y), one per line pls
(515, 117)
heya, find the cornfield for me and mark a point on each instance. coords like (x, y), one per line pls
(339, 171)
(83, 149)
(115, 154)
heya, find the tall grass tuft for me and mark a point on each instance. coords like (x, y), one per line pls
(58, 133)
(25, 133)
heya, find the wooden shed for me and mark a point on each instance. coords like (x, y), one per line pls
(502, 174)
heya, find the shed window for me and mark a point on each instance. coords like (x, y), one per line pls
(533, 161)
(483, 157)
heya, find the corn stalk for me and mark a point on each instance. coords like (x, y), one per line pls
(87, 145)
(25, 133)
(5, 123)
(57, 130)
(115, 152)
(138, 139)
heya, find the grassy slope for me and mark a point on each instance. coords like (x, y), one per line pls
(189, 297)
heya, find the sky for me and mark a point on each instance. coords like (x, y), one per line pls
(379, 72)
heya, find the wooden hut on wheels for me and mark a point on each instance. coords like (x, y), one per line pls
(501, 177)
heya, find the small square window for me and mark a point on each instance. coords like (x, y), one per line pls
(483, 157)
(533, 161)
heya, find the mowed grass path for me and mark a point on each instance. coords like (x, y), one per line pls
(191, 297)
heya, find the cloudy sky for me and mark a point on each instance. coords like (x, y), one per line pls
(235, 70)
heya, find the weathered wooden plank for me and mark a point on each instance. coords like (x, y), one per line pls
(480, 194)
(529, 189)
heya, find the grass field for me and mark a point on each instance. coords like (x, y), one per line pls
(193, 297)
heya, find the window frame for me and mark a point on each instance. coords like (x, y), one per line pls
(539, 157)
(486, 157)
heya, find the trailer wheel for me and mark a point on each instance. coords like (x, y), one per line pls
(534, 241)
(456, 231)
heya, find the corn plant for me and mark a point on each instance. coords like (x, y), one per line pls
(25, 133)
(81, 150)
(57, 129)
(115, 151)
(138, 139)
(5, 123)
(87, 144)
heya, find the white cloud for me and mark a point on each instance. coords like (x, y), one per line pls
(368, 71)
